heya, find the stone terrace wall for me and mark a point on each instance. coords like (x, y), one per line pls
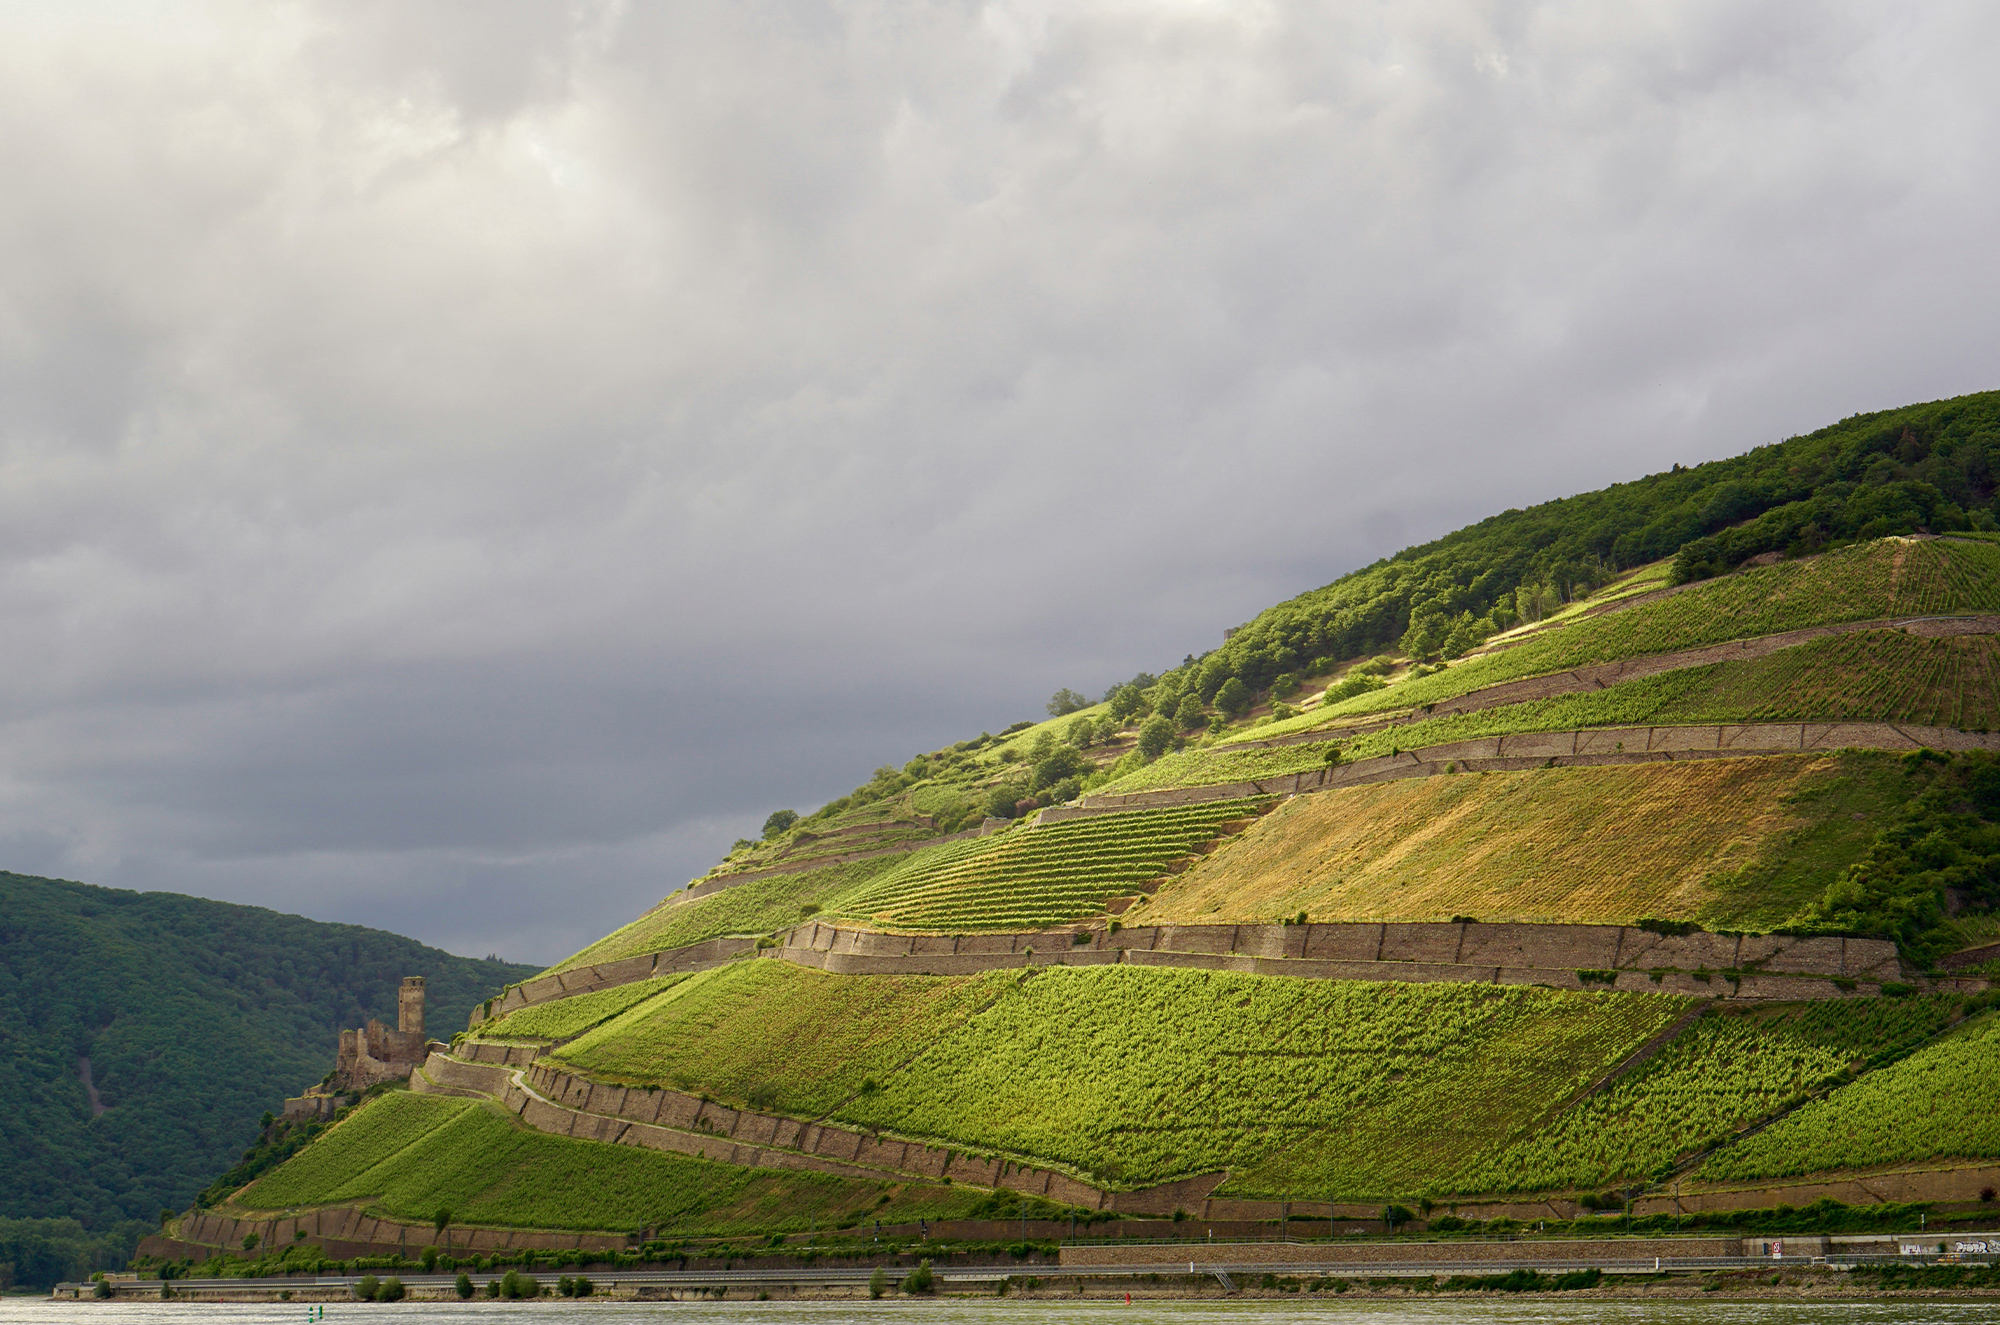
(1599, 675)
(552, 1100)
(719, 882)
(1590, 747)
(1770, 966)
(604, 975)
(344, 1232)
(740, 1136)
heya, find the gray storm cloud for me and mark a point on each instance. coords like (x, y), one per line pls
(462, 464)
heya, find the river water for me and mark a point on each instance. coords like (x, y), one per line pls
(1455, 1311)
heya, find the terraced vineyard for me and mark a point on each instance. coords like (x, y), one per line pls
(1297, 1087)
(1943, 1100)
(1882, 579)
(1868, 676)
(716, 1033)
(1722, 1074)
(567, 1017)
(1755, 840)
(1041, 876)
(1136, 1075)
(411, 1155)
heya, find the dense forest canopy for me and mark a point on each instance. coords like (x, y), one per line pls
(194, 1018)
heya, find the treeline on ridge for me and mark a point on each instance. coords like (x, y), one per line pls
(1928, 467)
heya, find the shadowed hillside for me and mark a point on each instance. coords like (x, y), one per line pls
(145, 1034)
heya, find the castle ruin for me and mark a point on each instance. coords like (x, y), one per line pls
(371, 1055)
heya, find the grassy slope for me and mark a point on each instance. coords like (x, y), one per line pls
(756, 907)
(1942, 1102)
(1751, 840)
(567, 1017)
(197, 1016)
(407, 1155)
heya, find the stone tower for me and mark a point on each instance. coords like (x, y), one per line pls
(410, 1006)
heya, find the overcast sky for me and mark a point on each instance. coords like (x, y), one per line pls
(463, 464)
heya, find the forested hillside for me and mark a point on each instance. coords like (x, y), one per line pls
(144, 1035)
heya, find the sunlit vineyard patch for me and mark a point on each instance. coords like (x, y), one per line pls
(412, 1155)
(1042, 876)
(1941, 1102)
(777, 1036)
(576, 1014)
(1724, 1073)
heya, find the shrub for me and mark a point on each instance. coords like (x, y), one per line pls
(391, 1290)
(878, 1282)
(103, 1288)
(1667, 928)
(492, 1288)
(1155, 736)
(778, 822)
(429, 1259)
(1063, 762)
(514, 1284)
(1589, 976)
(1349, 686)
(1190, 715)
(1285, 685)
(367, 1288)
(1065, 702)
(584, 1288)
(919, 1280)
(249, 1242)
(464, 1285)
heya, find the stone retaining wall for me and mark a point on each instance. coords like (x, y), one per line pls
(344, 1232)
(552, 1100)
(605, 975)
(717, 883)
(1580, 679)
(1768, 966)
(1587, 747)
(741, 1136)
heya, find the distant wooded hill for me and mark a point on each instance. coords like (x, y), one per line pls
(194, 1018)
